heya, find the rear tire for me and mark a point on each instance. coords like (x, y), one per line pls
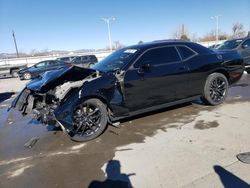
(91, 65)
(215, 89)
(14, 73)
(90, 120)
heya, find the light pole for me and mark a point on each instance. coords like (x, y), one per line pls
(14, 38)
(217, 26)
(107, 20)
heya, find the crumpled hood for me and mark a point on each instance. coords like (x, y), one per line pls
(51, 79)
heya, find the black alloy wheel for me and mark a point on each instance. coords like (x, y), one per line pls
(216, 89)
(90, 120)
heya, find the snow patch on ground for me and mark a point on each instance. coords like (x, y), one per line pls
(19, 171)
(77, 147)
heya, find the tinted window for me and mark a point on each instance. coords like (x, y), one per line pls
(93, 58)
(247, 42)
(42, 64)
(64, 59)
(230, 44)
(77, 60)
(84, 58)
(52, 62)
(159, 56)
(185, 52)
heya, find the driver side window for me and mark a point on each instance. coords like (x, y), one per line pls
(159, 56)
(41, 65)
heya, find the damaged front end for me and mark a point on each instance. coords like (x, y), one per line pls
(54, 97)
(43, 96)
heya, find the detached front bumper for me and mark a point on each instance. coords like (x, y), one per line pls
(24, 102)
(29, 102)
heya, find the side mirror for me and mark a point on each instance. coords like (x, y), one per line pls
(144, 67)
(244, 46)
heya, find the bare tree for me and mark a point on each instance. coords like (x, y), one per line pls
(238, 30)
(223, 36)
(117, 45)
(194, 37)
(181, 33)
(34, 52)
(208, 37)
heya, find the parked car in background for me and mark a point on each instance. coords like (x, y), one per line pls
(130, 81)
(66, 59)
(7, 70)
(242, 45)
(41, 67)
(85, 61)
(214, 46)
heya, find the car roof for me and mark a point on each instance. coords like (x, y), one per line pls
(85, 55)
(144, 46)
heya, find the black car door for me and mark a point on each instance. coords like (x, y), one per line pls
(157, 77)
(245, 51)
(195, 77)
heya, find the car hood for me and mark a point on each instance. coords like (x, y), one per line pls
(24, 69)
(51, 79)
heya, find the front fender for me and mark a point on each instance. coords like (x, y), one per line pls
(107, 88)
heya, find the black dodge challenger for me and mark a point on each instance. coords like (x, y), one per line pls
(130, 81)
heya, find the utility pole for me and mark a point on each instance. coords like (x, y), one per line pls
(107, 20)
(217, 26)
(14, 38)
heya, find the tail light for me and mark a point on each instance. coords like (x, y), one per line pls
(69, 64)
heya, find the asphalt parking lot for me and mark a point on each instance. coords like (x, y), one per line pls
(189, 145)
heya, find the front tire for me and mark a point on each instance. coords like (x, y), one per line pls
(27, 76)
(215, 89)
(90, 120)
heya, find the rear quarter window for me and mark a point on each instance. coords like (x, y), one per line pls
(185, 52)
(93, 58)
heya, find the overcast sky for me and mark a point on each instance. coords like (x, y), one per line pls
(76, 24)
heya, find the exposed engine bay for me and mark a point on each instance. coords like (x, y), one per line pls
(44, 104)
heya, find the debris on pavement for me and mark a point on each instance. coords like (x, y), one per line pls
(31, 142)
(116, 124)
(113, 132)
(244, 157)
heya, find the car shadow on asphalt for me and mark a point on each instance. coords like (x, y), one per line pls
(114, 177)
(228, 179)
(5, 77)
(6, 95)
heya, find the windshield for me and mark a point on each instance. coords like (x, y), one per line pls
(116, 60)
(229, 45)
